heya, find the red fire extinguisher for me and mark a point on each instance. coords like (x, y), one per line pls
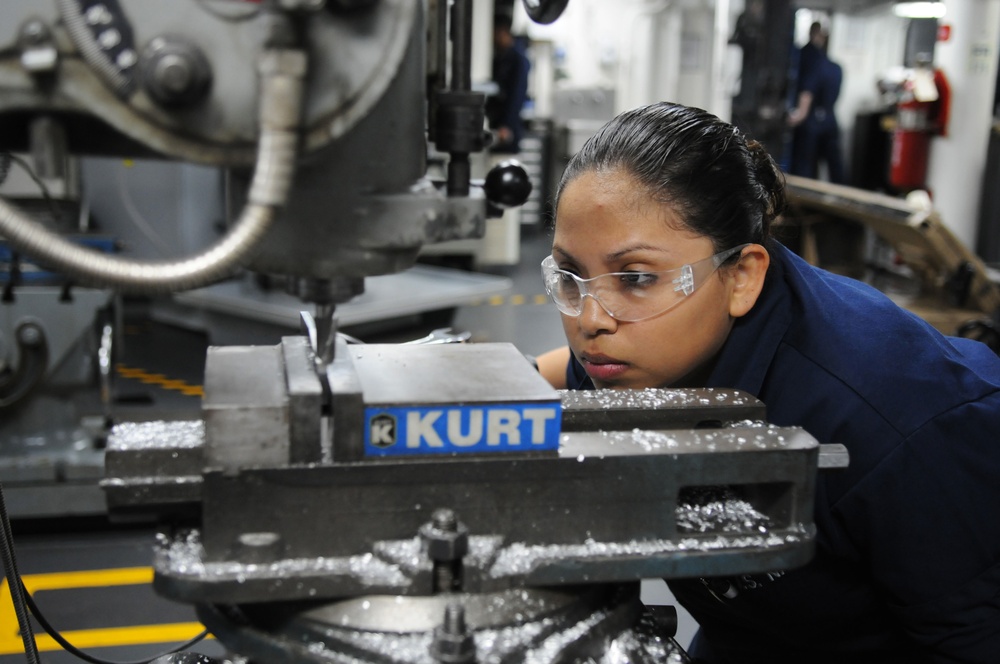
(921, 113)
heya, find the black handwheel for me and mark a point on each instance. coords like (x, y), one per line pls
(544, 11)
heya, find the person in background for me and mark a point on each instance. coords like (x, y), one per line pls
(510, 73)
(813, 51)
(816, 132)
(665, 274)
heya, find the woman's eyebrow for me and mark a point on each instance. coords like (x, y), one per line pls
(617, 255)
(613, 256)
(556, 249)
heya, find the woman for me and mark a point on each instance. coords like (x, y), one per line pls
(665, 276)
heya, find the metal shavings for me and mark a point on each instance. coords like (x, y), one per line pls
(717, 509)
(649, 398)
(552, 647)
(134, 436)
(520, 558)
(184, 556)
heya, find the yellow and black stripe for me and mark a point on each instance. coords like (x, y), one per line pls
(511, 300)
(10, 639)
(159, 380)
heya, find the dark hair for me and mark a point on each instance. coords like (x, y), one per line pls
(503, 22)
(723, 185)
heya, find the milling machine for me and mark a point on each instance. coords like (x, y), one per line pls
(381, 503)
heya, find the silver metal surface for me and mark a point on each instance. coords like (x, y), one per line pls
(401, 614)
(246, 407)
(429, 374)
(418, 289)
(443, 335)
(599, 624)
(833, 456)
(305, 407)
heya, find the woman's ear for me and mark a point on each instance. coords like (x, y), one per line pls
(748, 279)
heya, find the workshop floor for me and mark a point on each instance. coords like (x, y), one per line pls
(92, 579)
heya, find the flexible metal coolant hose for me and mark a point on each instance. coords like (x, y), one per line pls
(281, 75)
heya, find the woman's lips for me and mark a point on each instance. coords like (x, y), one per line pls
(602, 367)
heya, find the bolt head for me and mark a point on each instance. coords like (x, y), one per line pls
(174, 73)
(445, 545)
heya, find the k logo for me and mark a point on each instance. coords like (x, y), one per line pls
(382, 430)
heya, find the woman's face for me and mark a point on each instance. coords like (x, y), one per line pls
(606, 222)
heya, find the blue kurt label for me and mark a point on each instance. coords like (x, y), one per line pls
(462, 429)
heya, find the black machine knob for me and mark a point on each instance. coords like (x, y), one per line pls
(507, 185)
(544, 11)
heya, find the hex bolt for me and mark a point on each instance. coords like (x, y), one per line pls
(444, 537)
(446, 541)
(453, 643)
(173, 73)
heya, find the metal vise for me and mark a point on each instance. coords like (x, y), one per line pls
(444, 480)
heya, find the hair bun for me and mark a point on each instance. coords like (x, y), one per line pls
(770, 181)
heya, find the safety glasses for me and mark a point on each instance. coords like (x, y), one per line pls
(630, 296)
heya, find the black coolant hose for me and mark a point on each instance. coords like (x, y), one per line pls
(14, 582)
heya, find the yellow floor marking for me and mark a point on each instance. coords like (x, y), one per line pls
(515, 300)
(125, 576)
(174, 384)
(160, 380)
(499, 300)
(10, 639)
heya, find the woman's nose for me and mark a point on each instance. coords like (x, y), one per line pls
(594, 318)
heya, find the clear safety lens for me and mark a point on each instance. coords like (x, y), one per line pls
(630, 296)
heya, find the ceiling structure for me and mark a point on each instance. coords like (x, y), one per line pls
(841, 6)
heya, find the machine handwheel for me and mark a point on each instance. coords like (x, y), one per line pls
(544, 11)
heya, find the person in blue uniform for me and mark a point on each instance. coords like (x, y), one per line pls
(510, 73)
(816, 134)
(665, 275)
(812, 51)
